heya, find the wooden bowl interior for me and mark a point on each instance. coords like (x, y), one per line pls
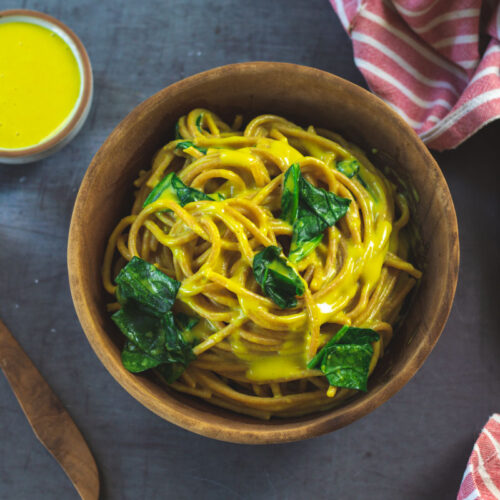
(306, 96)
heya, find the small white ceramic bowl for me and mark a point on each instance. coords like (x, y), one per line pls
(75, 120)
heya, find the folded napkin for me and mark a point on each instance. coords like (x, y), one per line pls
(435, 62)
(482, 476)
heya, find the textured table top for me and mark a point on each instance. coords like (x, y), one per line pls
(415, 446)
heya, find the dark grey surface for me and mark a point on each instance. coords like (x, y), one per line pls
(414, 447)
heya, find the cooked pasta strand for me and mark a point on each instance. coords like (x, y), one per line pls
(251, 355)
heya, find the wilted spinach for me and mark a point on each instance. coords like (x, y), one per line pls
(345, 359)
(135, 360)
(152, 341)
(198, 122)
(172, 187)
(145, 287)
(155, 337)
(277, 279)
(310, 210)
(188, 144)
(350, 168)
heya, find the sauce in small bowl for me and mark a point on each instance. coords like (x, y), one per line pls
(45, 85)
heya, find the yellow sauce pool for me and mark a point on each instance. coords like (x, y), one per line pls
(39, 84)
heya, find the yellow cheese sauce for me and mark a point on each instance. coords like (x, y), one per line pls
(251, 355)
(364, 263)
(39, 84)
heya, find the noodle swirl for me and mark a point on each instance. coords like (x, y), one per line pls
(251, 355)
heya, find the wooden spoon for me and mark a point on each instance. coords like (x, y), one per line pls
(51, 423)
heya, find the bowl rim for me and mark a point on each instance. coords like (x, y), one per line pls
(236, 431)
(78, 112)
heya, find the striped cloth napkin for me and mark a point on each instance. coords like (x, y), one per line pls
(435, 62)
(482, 476)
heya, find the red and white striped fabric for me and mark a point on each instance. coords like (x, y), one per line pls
(435, 62)
(482, 476)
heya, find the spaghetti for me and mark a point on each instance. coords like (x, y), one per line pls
(251, 355)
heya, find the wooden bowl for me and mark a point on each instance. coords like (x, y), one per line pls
(306, 96)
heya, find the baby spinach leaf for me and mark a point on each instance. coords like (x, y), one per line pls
(144, 330)
(170, 372)
(346, 335)
(317, 360)
(198, 121)
(327, 206)
(302, 246)
(188, 144)
(135, 360)
(290, 196)
(347, 366)
(184, 322)
(153, 341)
(349, 168)
(163, 189)
(145, 287)
(354, 335)
(277, 279)
(178, 349)
(310, 209)
(172, 187)
(187, 194)
(155, 336)
(345, 359)
(159, 338)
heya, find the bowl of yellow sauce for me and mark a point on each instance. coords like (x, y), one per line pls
(45, 85)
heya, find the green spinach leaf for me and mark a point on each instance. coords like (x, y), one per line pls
(170, 372)
(326, 206)
(135, 360)
(345, 359)
(187, 194)
(310, 209)
(301, 245)
(188, 144)
(172, 187)
(290, 196)
(350, 168)
(199, 120)
(178, 349)
(184, 322)
(153, 341)
(354, 335)
(277, 279)
(155, 337)
(145, 331)
(146, 288)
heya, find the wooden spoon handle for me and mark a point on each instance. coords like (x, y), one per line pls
(51, 423)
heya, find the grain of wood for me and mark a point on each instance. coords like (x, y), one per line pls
(50, 421)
